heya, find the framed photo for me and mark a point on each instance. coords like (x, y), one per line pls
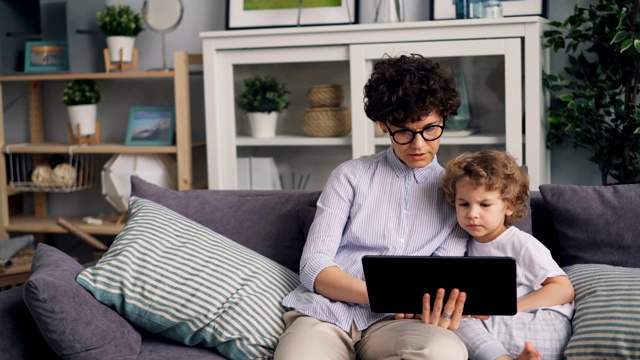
(242, 14)
(46, 56)
(151, 125)
(446, 9)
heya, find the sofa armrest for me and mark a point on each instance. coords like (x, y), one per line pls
(20, 337)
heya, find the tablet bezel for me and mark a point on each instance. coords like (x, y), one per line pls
(396, 284)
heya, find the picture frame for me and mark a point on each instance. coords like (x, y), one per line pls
(46, 56)
(446, 9)
(244, 14)
(151, 126)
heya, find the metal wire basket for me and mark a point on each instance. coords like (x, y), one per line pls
(51, 172)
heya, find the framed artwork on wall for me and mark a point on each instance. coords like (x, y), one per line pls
(243, 14)
(46, 56)
(151, 126)
(446, 9)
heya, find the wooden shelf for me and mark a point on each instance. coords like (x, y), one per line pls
(88, 76)
(48, 224)
(182, 150)
(54, 148)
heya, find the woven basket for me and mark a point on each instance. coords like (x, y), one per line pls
(377, 131)
(325, 95)
(327, 121)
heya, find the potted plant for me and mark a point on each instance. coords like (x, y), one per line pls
(121, 25)
(262, 99)
(594, 102)
(81, 98)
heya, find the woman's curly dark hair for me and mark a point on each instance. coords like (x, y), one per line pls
(408, 88)
(495, 169)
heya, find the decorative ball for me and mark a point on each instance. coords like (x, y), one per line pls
(41, 175)
(64, 175)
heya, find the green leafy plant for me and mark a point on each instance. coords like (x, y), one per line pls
(80, 92)
(594, 102)
(119, 20)
(263, 94)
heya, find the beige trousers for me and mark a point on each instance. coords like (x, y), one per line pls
(309, 339)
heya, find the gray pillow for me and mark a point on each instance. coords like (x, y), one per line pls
(596, 224)
(265, 221)
(74, 324)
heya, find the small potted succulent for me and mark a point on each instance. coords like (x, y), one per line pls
(262, 99)
(120, 24)
(81, 98)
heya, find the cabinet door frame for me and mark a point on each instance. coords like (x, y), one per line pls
(222, 153)
(362, 58)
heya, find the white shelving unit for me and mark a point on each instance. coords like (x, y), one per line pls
(502, 58)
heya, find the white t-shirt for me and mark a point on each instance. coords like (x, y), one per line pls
(534, 263)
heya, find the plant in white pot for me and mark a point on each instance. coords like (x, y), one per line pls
(121, 25)
(81, 98)
(263, 98)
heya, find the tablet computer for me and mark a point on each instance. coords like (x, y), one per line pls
(396, 284)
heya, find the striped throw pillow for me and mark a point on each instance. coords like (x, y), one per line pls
(606, 323)
(174, 277)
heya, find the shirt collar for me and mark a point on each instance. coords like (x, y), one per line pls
(401, 169)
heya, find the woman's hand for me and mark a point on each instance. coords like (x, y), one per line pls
(448, 315)
(435, 316)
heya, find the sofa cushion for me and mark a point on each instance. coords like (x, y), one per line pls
(596, 224)
(73, 323)
(606, 324)
(21, 338)
(174, 277)
(268, 224)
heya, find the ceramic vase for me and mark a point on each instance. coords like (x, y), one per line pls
(85, 116)
(263, 125)
(115, 43)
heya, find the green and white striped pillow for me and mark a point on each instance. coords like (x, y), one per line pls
(606, 324)
(177, 278)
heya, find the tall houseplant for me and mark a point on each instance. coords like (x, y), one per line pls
(81, 98)
(594, 103)
(263, 98)
(120, 24)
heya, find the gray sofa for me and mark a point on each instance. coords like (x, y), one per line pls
(274, 223)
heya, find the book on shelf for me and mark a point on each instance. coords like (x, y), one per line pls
(258, 173)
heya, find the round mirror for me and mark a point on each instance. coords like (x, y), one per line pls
(162, 16)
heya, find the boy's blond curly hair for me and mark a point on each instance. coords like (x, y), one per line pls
(495, 169)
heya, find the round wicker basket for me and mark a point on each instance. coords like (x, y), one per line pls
(325, 95)
(377, 131)
(327, 121)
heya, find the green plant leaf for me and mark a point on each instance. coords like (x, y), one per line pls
(621, 35)
(566, 97)
(625, 45)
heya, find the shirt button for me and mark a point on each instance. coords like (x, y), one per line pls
(401, 240)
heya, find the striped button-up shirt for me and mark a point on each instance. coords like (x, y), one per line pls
(373, 205)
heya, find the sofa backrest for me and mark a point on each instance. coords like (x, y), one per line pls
(265, 221)
(543, 227)
(274, 222)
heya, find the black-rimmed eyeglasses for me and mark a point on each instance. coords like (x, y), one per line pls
(406, 136)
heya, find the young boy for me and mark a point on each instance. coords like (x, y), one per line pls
(489, 192)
